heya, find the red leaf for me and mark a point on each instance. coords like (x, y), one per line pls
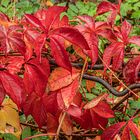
(115, 50)
(67, 125)
(34, 40)
(36, 76)
(35, 106)
(130, 72)
(11, 38)
(52, 123)
(135, 40)
(74, 111)
(95, 101)
(50, 17)
(111, 131)
(93, 44)
(61, 77)
(14, 64)
(13, 86)
(72, 35)
(104, 110)
(105, 6)
(2, 93)
(90, 23)
(96, 121)
(34, 21)
(39, 43)
(126, 134)
(118, 57)
(4, 17)
(108, 34)
(59, 54)
(68, 93)
(125, 30)
(134, 129)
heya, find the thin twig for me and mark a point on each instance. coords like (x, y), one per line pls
(40, 135)
(118, 78)
(60, 124)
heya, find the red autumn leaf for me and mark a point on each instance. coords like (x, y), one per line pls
(11, 38)
(54, 103)
(93, 44)
(14, 64)
(95, 101)
(4, 17)
(112, 131)
(89, 85)
(34, 21)
(50, 18)
(39, 43)
(34, 40)
(126, 134)
(134, 129)
(2, 93)
(125, 30)
(67, 125)
(96, 121)
(72, 35)
(115, 50)
(13, 86)
(130, 71)
(68, 93)
(36, 76)
(106, 6)
(35, 106)
(91, 31)
(135, 40)
(104, 110)
(61, 77)
(60, 54)
(52, 123)
(74, 111)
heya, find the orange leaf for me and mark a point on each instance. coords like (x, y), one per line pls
(126, 134)
(134, 129)
(61, 77)
(68, 93)
(67, 125)
(95, 101)
(89, 85)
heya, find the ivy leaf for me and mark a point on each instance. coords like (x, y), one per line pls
(134, 129)
(61, 77)
(115, 51)
(131, 69)
(135, 40)
(10, 109)
(126, 134)
(95, 101)
(50, 17)
(112, 131)
(59, 54)
(36, 76)
(13, 86)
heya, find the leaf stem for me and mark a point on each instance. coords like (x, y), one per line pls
(60, 124)
(40, 135)
(82, 72)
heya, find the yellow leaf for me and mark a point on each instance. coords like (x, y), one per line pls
(9, 118)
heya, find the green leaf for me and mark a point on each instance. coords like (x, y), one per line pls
(5, 3)
(26, 132)
(136, 14)
(8, 136)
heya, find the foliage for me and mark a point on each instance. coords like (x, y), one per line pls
(38, 58)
